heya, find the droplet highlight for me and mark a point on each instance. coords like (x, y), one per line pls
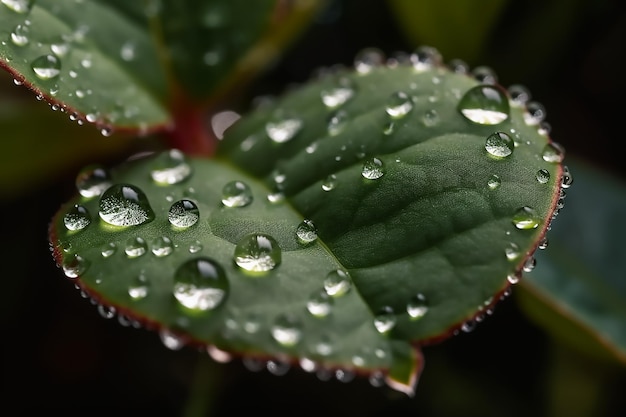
(257, 253)
(236, 194)
(526, 218)
(372, 169)
(200, 285)
(183, 214)
(306, 232)
(170, 167)
(484, 105)
(125, 205)
(499, 145)
(337, 283)
(77, 218)
(46, 67)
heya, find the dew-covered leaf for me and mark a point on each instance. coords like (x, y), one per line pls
(577, 291)
(343, 225)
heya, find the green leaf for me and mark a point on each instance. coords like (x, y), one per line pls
(577, 292)
(375, 173)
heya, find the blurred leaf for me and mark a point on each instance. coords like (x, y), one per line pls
(458, 28)
(578, 290)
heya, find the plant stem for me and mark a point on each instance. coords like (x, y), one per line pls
(203, 388)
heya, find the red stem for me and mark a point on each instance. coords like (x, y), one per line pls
(191, 132)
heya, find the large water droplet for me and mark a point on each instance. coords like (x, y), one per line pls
(553, 152)
(499, 145)
(526, 218)
(170, 167)
(46, 67)
(485, 105)
(200, 284)
(183, 213)
(75, 266)
(398, 105)
(125, 205)
(283, 128)
(162, 246)
(18, 6)
(19, 36)
(287, 330)
(135, 247)
(337, 283)
(385, 320)
(77, 218)
(320, 304)
(417, 307)
(306, 232)
(339, 93)
(258, 253)
(372, 169)
(236, 194)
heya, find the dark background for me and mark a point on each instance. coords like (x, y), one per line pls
(59, 354)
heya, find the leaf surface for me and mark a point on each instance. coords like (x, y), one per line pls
(402, 190)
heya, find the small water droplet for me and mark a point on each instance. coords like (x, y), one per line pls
(135, 247)
(339, 93)
(77, 218)
(257, 253)
(183, 213)
(526, 218)
(543, 244)
(484, 75)
(499, 145)
(553, 152)
(46, 67)
(236, 194)
(468, 326)
(543, 176)
(108, 250)
(282, 128)
(171, 340)
(485, 105)
(320, 304)
(430, 118)
(306, 232)
(530, 264)
(337, 283)
(74, 266)
(329, 183)
(92, 181)
(494, 182)
(566, 180)
(139, 287)
(19, 36)
(162, 246)
(417, 307)
(372, 169)
(195, 247)
(398, 105)
(367, 59)
(385, 320)
(287, 330)
(519, 95)
(535, 113)
(425, 58)
(337, 122)
(459, 66)
(125, 205)
(170, 168)
(389, 128)
(127, 51)
(512, 251)
(200, 284)
(60, 49)
(18, 6)
(512, 279)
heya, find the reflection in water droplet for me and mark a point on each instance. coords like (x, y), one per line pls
(287, 330)
(75, 266)
(337, 283)
(200, 284)
(170, 167)
(553, 152)
(543, 176)
(135, 247)
(257, 252)
(398, 105)
(125, 205)
(77, 218)
(330, 182)
(494, 182)
(526, 218)
(320, 304)
(236, 194)
(372, 169)
(162, 246)
(417, 307)
(339, 93)
(499, 145)
(46, 67)
(183, 214)
(485, 105)
(306, 232)
(385, 320)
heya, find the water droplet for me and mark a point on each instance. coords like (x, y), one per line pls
(530, 264)
(543, 244)
(183, 213)
(566, 180)
(398, 105)
(276, 197)
(306, 232)
(417, 307)
(287, 330)
(320, 304)
(75, 266)
(485, 105)
(425, 58)
(459, 66)
(19, 36)
(339, 93)
(139, 287)
(468, 326)
(499, 145)
(535, 113)
(512, 279)
(553, 152)
(512, 251)
(372, 169)
(385, 320)
(46, 67)
(127, 52)
(430, 118)
(519, 95)
(329, 183)
(125, 205)
(543, 176)
(200, 284)
(170, 168)
(236, 194)
(195, 247)
(135, 247)
(171, 340)
(283, 128)
(18, 6)
(484, 75)
(494, 182)
(337, 122)
(337, 283)
(367, 59)
(162, 246)
(77, 218)
(526, 218)
(257, 252)
(108, 250)
(60, 49)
